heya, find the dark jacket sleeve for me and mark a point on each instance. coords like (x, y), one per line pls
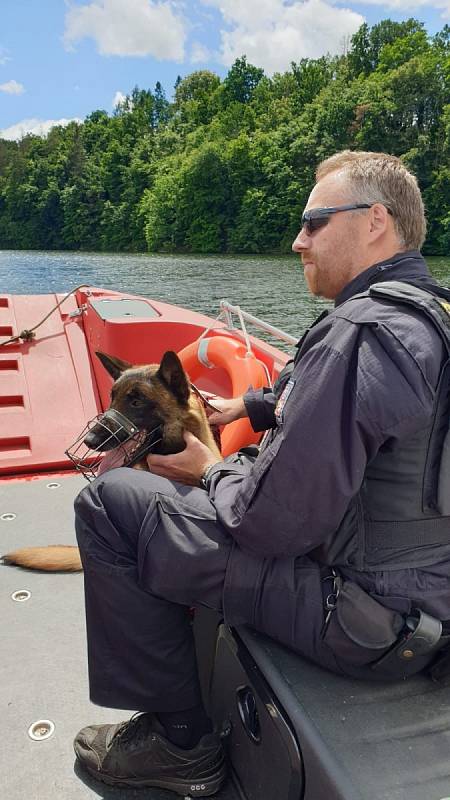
(260, 405)
(351, 392)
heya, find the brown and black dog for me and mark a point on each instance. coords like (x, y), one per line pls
(150, 397)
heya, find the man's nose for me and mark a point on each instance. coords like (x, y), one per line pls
(301, 241)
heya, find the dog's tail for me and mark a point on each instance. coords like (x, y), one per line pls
(54, 558)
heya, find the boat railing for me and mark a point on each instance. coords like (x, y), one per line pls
(227, 310)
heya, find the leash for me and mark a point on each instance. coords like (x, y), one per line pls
(205, 400)
(206, 403)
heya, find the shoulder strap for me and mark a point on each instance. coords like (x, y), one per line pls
(436, 308)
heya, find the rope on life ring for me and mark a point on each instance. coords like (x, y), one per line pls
(243, 369)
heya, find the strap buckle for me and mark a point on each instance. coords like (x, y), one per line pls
(332, 597)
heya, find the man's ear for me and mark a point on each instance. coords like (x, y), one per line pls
(173, 375)
(379, 219)
(115, 366)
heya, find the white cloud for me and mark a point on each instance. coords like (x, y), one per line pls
(412, 5)
(12, 87)
(134, 28)
(199, 53)
(272, 33)
(37, 126)
(118, 99)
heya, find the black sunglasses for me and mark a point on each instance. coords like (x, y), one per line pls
(319, 217)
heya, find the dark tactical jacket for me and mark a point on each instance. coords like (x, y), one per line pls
(348, 449)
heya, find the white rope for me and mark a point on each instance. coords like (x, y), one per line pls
(244, 330)
(220, 317)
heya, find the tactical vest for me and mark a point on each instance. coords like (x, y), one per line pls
(401, 516)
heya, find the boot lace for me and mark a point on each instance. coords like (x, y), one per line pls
(135, 730)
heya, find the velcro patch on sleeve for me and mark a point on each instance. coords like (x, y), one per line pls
(279, 408)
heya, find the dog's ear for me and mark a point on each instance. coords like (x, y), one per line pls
(115, 366)
(173, 375)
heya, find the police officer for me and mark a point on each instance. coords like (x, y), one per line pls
(335, 541)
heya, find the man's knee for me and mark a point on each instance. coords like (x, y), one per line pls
(123, 508)
(109, 513)
(123, 494)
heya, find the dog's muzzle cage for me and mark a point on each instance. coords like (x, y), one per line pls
(123, 444)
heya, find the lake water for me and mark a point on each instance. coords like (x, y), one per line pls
(271, 287)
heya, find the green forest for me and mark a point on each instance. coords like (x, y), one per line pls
(227, 164)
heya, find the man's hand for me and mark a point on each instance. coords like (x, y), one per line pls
(228, 410)
(186, 467)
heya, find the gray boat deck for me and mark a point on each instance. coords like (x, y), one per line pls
(43, 666)
(377, 742)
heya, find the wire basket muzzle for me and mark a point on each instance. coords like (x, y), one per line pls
(118, 440)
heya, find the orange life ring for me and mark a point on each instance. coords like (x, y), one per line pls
(243, 369)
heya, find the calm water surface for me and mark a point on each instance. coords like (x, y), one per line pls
(271, 287)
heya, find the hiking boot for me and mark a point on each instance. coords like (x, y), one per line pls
(136, 753)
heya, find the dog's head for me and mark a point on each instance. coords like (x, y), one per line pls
(144, 398)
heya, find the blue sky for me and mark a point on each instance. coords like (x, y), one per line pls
(62, 59)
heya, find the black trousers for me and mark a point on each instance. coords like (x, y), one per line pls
(152, 550)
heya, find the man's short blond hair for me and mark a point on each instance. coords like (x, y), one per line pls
(381, 178)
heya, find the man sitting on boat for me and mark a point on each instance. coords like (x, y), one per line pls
(335, 541)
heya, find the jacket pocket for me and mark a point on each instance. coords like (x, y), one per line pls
(360, 629)
(184, 554)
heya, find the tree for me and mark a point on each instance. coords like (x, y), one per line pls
(311, 75)
(194, 102)
(160, 106)
(368, 43)
(241, 81)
